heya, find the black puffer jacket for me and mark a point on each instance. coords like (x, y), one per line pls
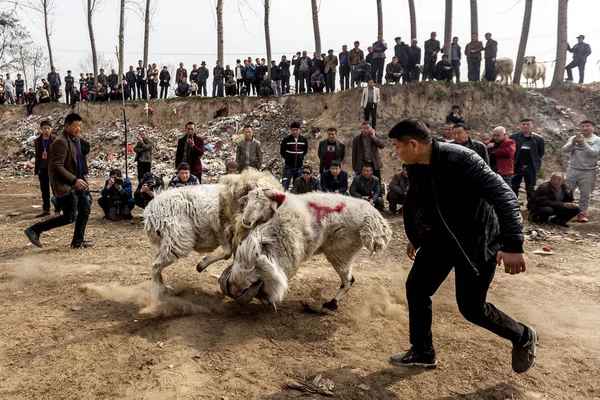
(476, 204)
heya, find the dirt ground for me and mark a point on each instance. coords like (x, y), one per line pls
(57, 342)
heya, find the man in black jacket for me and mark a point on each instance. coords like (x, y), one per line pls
(580, 51)
(462, 136)
(218, 74)
(20, 89)
(553, 198)
(54, 81)
(203, 75)
(491, 50)
(432, 48)
(528, 157)
(458, 214)
(402, 51)
(414, 62)
(130, 77)
(293, 149)
(284, 67)
(330, 149)
(140, 80)
(69, 84)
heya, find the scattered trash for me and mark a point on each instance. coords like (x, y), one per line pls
(533, 235)
(317, 386)
(546, 251)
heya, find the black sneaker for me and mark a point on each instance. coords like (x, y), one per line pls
(33, 237)
(82, 245)
(523, 357)
(559, 222)
(411, 357)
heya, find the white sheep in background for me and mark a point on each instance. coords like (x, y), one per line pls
(504, 69)
(533, 71)
(199, 218)
(288, 230)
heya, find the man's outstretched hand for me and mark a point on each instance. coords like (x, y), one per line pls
(514, 263)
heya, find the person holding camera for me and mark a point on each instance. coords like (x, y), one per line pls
(190, 149)
(116, 201)
(147, 189)
(143, 154)
(183, 177)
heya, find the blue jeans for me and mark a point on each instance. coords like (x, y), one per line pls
(580, 65)
(217, 84)
(290, 174)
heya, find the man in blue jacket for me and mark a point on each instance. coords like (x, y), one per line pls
(117, 197)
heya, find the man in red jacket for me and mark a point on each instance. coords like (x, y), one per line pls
(501, 150)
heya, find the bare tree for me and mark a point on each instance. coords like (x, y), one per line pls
(45, 8)
(121, 54)
(220, 40)
(413, 19)
(86, 64)
(146, 31)
(30, 59)
(90, 7)
(379, 18)
(523, 42)
(474, 18)
(448, 28)
(315, 18)
(268, 33)
(561, 43)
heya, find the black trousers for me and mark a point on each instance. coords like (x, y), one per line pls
(202, 89)
(371, 113)
(30, 108)
(76, 208)
(414, 74)
(285, 84)
(45, 189)
(490, 70)
(429, 69)
(304, 81)
(344, 77)
(142, 168)
(54, 93)
(432, 265)
(68, 94)
(330, 82)
(20, 97)
(131, 90)
(164, 92)
(528, 173)
(142, 90)
(395, 199)
(377, 72)
(153, 88)
(561, 214)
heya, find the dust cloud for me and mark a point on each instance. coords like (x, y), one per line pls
(380, 303)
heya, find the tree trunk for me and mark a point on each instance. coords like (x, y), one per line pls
(146, 32)
(474, 20)
(220, 55)
(315, 15)
(268, 33)
(379, 18)
(46, 9)
(90, 13)
(523, 42)
(413, 20)
(561, 43)
(121, 55)
(448, 28)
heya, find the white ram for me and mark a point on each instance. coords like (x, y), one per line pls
(533, 71)
(504, 70)
(291, 229)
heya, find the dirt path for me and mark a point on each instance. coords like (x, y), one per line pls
(59, 343)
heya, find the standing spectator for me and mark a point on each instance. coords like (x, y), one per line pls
(248, 152)
(432, 48)
(83, 81)
(131, 78)
(369, 101)
(117, 197)
(31, 98)
(143, 154)
(473, 51)
(491, 50)
(462, 136)
(113, 82)
(402, 52)
(67, 169)
(334, 180)
(393, 71)
(455, 56)
(249, 77)
(20, 89)
(307, 182)
(76, 95)
(190, 149)
(259, 73)
(146, 189)
(553, 198)
(9, 89)
(228, 73)
(296, 72)
(317, 81)
(366, 186)
(398, 189)
(304, 65)
(528, 157)
(365, 150)
(454, 117)
(284, 67)
(54, 82)
(203, 75)
(218, 72)
(165, 82)
(293, 149)
(318, 62)
(69, 85)
(180, 73)
(580, 51)
(103, 79)
(583, 164)
(239, 74)
(140, 81)
(276, 78)
(344, 60)
(194, 74)
(183, 177)
(42, 146)
(153, 80)
(501, 152)
(414, 62)
(448, 136)
(356, 55)
(183, 89)
(330, 149)
(331, 63)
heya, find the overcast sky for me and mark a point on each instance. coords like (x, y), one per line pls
(185, 30)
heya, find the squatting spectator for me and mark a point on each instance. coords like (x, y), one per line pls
(117, 197)
(473, 51)
(334, 180)
(317, 81)
(454, 117)
(143, 154)
(393, 71)
(432, 48)
(491, 50)
(365, 150)
(528, 157)
(31, 99)
(42, 146)
(183, 88)
(307, 182)
(553, 198)
(367, 187)
(398, 189)
(501, 151)
(266, 87)
(293, 149)
(248, 153)
(183, 177)
(583, 164)
(369, 101)
(580, 51)
(330, 149)
(462, 136)
(443, 69)
(147, 189)
(363, 72)
(190, 149)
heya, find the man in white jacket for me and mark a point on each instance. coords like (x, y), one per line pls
(583, 164)
(369, 100)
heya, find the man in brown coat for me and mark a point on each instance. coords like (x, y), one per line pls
(42, 163)
(331, 63)
(365, 150)
(190, 149)
(67, 178)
